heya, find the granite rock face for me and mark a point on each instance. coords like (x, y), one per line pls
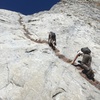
(31, 70)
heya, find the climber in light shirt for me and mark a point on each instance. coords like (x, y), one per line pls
(86, 62)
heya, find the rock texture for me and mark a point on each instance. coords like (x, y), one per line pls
(30, 70)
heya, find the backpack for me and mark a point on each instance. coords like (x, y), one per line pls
(90, 74)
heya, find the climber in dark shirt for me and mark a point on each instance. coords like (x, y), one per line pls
(85, 64)
(52, 40)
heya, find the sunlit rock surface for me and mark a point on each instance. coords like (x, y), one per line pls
(40, 74)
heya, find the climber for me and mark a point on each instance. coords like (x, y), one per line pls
(85, 64)
(52, 40)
